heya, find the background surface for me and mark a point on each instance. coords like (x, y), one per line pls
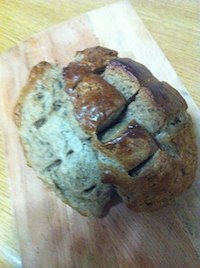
(173, 24)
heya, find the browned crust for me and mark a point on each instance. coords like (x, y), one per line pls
(96, 58)
(37, 73)
(165, 96)
(95, 101)
(163, 176)
(130, 147)
(73, 74)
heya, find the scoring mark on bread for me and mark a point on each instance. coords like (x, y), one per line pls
(120, 123)
(100, 70)
(132, 98)
(49, 94)
(136, 170)
(110, 130)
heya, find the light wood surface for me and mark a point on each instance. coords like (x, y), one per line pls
(174, 24)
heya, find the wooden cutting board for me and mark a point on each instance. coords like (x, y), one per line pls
(53, 235)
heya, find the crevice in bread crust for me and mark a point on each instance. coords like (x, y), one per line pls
(118, 123)
(135, 70)
(133, 97)
(136, 170)
(168, 147)
(121, 124)
(158, 137)
(168, 129)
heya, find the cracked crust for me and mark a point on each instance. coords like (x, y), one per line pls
(155, 166)
(161, 178)
(96, 102)
(171, 170)
(130, 147)
(137, 126)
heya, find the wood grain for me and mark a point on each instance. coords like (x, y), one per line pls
(164, 19)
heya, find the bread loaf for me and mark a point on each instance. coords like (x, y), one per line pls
(105, 124)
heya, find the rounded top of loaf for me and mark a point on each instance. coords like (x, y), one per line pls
(105, 124)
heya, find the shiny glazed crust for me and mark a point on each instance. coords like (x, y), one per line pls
(153, 175)
(146, 138)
